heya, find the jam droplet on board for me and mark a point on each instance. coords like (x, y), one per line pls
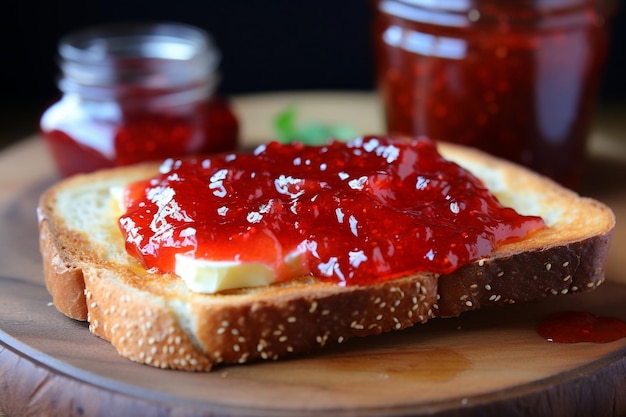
(579, 327)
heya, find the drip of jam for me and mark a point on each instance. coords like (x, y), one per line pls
(579, 327)
(372, 209)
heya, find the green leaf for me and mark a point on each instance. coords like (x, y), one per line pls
(316, 134)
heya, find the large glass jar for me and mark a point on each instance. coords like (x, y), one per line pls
(136, 92)
(515, 78)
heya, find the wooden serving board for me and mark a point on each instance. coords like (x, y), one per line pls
(489, 362)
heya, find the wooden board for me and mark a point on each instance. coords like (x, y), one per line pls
(483, 363)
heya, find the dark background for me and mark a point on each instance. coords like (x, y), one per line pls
(266, 46)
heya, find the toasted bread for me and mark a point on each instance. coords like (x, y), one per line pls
(154, 319)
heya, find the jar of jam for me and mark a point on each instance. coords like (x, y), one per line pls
(136, 92)
(517, 79)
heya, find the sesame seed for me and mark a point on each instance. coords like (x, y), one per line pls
(221, 330)
(492, 298)
(500, 274)
(234, 331)
(291, 319)
(153, 350)
(565, 264)
(481, 262)
(553, 291)
(93, 304)
(282, 339)
(398, 326)
(548, 266)
(564, 291)
(313, 307)
(340, 339)
(469, 303)
(236, 348)
(151, 341)
(488, 287)
(567, 278)
(379, 317)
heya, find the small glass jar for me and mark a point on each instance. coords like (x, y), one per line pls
(136, 92)
(517, 79)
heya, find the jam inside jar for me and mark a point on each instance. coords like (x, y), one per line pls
(516, 79)
(136, 92)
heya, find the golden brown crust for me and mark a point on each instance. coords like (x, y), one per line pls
(154, 319)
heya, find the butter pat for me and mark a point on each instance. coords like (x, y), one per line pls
(206, 276)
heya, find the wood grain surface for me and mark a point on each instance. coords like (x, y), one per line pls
(489, 362)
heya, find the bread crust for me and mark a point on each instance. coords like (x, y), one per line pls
(153, 319)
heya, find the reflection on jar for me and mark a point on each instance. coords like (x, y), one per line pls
(516, 79)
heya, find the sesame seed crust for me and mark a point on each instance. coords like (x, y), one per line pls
(575, 267)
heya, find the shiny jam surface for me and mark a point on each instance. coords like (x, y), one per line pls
(579, 327)
(498, 75)
(360, 212)
(85, 138)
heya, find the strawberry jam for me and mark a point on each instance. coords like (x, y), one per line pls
(360, 212)
(581, 327)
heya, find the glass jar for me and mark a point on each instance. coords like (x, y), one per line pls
(136, 92)
(517, 79)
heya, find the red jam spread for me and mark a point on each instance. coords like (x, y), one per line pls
(360, 212)
(579, 327)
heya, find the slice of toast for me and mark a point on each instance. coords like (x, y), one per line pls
(154, 319)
